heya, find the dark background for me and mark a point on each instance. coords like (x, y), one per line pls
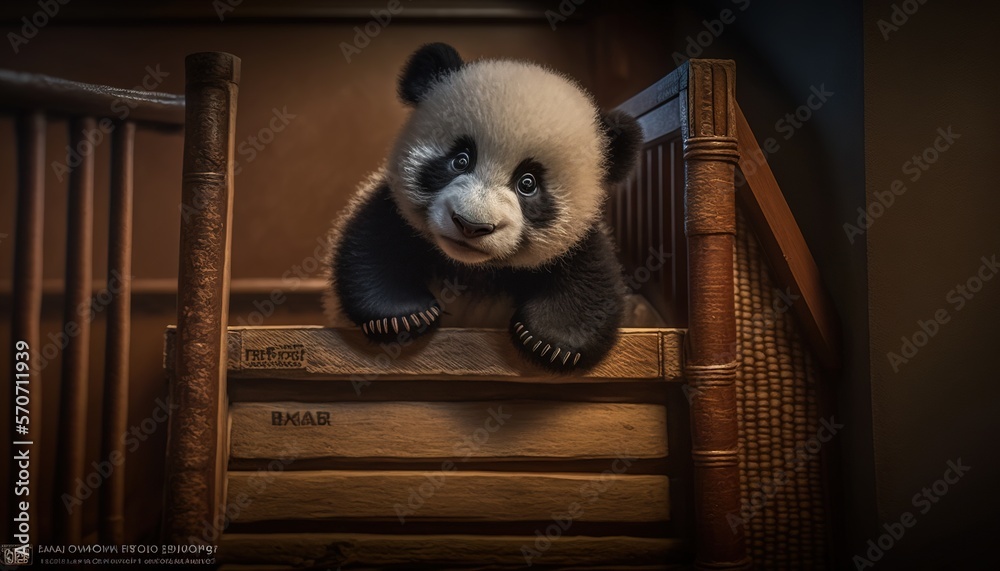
(892, 90)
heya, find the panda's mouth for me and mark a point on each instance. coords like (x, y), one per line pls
(463, 245)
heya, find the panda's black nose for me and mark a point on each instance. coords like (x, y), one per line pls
(472, 229)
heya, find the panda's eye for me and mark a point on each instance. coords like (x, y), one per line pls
(527, 185)
(461, 162)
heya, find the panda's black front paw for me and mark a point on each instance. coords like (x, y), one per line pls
(402, 325)
(552, 350)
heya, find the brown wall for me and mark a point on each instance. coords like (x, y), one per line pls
(938, 70)
(346, 115)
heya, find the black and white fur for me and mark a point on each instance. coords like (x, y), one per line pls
(493, 190)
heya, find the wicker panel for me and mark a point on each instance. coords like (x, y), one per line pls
(780, 482)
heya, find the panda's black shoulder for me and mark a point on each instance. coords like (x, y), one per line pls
(591, 265)
(378, 222)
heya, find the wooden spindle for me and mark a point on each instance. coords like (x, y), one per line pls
(72, 443)
(195, 445)
(116, 355)
(27, 301)
(678, 252)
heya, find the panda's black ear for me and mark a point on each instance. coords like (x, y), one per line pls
(624, 141)
(427, 65)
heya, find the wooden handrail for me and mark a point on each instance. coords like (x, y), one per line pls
(19, 90)
(785, 247)
(761, 199)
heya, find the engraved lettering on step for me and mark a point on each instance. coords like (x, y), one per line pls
(292, 356)
(300, 418)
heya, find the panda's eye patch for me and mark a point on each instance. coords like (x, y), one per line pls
(538, 204)
(528, 178)
(461, 162)
(527, 185)
(438, 172)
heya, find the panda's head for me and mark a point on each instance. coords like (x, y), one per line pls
(503, 163)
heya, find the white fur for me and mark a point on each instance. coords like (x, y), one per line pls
(513, 111)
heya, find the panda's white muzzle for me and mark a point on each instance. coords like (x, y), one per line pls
(475, 223)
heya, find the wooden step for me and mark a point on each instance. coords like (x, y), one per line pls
(302, 352)
(463, 431)
(447, 494)
(351, 551)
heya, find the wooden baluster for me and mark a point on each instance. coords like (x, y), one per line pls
(710, 156)
(196, 443)
(72, 443)
(117, 351)
(27, 299)
(678, 261)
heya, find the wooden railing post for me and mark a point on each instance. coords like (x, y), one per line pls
(195, 489)
(710, 155)
(72, 443)
(117, 349)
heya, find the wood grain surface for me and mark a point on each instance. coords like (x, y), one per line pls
(303, 352)
(377, 551)
(509, 430)
(447, 494)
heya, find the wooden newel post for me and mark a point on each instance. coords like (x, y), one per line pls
(196, 448)
(710, 156)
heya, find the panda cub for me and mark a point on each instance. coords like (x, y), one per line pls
(493, 191)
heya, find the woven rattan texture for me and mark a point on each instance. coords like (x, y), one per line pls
(781, 483)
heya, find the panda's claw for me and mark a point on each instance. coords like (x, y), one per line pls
(388, 328)
(545, 347)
